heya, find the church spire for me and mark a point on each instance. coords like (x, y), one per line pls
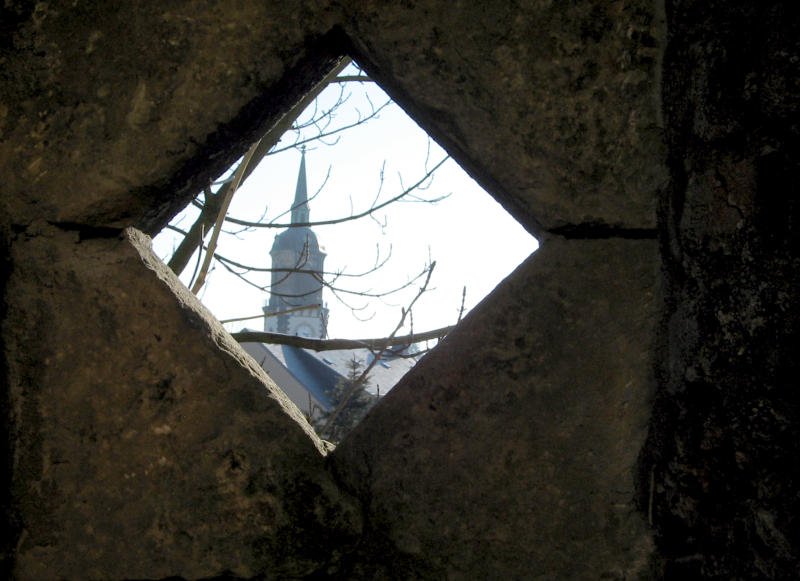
(300, 213)
(295, 305)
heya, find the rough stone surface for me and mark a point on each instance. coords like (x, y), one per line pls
(726, 434)
(140, 443)
(151, 446)
(126, 107)
(553, 106)
(510, 452)
(565, 129)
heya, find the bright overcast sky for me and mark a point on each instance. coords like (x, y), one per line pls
(474, 242)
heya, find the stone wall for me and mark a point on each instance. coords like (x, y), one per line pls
(622, 406)
(727, 422)
(512, 449)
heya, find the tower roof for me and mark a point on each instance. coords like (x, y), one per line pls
(300, 211)
(300, 239)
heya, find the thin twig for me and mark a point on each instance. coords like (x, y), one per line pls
(463, 300)
(262, 315)
(267, 142)
(371, 210)
(199, 254)
(357, 384)
(226, 202)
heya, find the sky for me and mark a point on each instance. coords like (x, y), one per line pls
(471, 238)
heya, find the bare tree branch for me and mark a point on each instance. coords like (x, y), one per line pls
(337, 274)
(321, 136)
(377, 344)
(226, 201)
(262, 315)
(371, 210)
(376, 350)
(190, 243)
(353, 79)
(463, 302)
(231, 266)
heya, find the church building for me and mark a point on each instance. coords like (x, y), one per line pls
(312, 380)
(295, 304)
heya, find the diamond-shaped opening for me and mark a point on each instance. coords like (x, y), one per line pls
(329, 277)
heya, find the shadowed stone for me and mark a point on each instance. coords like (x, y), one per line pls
(150, 445)
(142, 443)
(510, 451)
(554, 107)
(133, 108)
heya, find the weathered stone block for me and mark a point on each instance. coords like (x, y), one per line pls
(133, 108)
(148, 444)
(510, 452)
(554, 107)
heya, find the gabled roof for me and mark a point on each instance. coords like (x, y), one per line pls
(383, 376)
(320, 372)
(310, 372)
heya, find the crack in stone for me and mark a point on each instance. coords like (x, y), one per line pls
(88, 231)
(595, 231)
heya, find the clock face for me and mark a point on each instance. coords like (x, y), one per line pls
(304, 330)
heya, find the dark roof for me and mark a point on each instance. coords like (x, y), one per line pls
(384, 375)
(320, 372)
(300, 209)
(297, 239)
(318, 380)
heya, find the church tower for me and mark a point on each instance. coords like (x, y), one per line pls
(295, 304)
